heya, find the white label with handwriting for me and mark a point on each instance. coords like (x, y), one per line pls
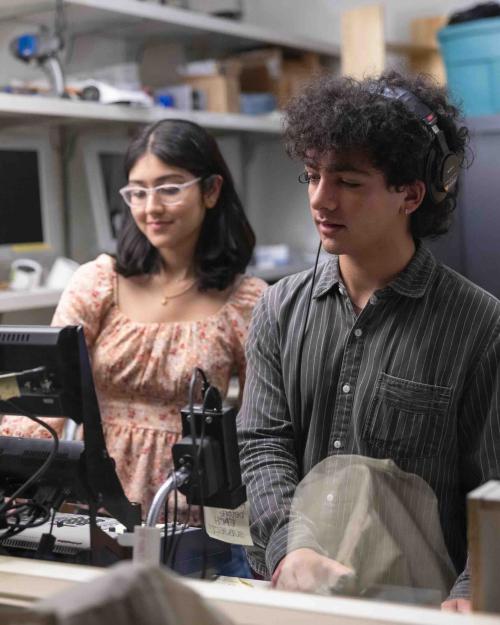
(230, 526)
(147, 542)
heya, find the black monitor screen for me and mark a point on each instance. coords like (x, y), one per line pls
(64, 388)
(113, 175)
(20, 203)
(59, 392)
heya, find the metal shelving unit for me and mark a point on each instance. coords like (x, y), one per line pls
(132, 18)
(138, 21)
(26, 300)
(31, 109)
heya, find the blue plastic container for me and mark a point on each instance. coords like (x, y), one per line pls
(257, 103)
(471, 53)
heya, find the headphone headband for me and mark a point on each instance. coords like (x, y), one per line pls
(442, 165)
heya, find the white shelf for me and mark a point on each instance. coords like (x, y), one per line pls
(33, 109)
(135, 19)
(11, 301)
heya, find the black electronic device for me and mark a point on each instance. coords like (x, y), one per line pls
(443, 165)
(43, 48)
(210, 448)
(21, 457)
(63, 388)
(72, 543)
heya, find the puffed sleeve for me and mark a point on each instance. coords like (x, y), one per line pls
(84, 301)
(87, 297)
(243, 301)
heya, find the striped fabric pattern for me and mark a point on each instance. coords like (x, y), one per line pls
(415, 377)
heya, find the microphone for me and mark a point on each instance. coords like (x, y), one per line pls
(11, 384)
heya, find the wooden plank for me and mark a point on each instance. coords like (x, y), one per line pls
(362, 41)
(483, 507)
(423, 33)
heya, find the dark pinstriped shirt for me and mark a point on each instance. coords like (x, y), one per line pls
(415, 377)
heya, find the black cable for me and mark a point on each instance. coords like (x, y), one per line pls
(45, 466)
(164, 551)
(192, 425)
(298, 441)
(18, 526)
(179, 537)
(51, 529)
(197, 371)
(309, 300)
(174, 522)
(168, 540)
(206, 396)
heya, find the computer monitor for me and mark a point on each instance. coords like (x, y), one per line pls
(30, 195)
(103, 159)
(64, 389)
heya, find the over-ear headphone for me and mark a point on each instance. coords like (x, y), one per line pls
(442, 165)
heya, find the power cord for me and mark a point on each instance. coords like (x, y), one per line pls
(198, 470)
(38, 473)
(298, 441)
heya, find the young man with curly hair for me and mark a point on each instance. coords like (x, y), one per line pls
(400, 354)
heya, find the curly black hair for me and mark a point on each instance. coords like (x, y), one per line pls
(226, 240)
(344, 115)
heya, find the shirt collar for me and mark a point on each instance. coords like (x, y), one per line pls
(411, 282)
(329, 276)
(416, 276)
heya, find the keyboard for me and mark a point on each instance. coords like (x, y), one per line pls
(72, 544)
(71, 532)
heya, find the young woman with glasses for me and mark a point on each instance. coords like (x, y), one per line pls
(175, 297)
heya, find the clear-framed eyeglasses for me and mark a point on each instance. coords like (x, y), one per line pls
(167, 194)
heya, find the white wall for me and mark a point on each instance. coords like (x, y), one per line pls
(312, 18)
(276, 202)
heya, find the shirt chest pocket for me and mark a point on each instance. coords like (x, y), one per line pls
(407, 419)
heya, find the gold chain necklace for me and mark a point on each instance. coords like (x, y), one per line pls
(167, 298)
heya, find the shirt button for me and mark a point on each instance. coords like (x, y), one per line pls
(373, 300)
(329, 498)
(358, 332)
(346, 388)
(337, 444)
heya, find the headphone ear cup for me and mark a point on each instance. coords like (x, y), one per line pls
(433, 179)
(450, 168)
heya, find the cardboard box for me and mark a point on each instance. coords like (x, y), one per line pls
(271, 71)
(221, 92)
(295, 75)
(483, 506)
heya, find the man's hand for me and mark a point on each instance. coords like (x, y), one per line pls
(307, 571)
(456, 605)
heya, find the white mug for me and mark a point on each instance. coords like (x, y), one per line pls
(25, 274)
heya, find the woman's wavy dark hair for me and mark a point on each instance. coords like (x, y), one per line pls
(346, 115)
(226, 240)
